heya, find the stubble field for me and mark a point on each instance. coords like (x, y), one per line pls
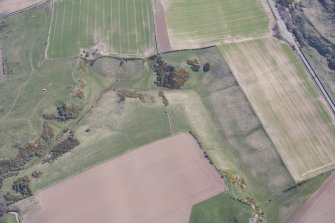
(122, 27)
(288, 104)
(197, 23)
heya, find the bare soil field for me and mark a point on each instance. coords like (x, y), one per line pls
(287, 103)
(320, 207)
(159, 182)
(162, 34)
(10, 6)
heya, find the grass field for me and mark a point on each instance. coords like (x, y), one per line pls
(113, 26)
(8, 219)
(220, 208)
(195, 23)
(288, 104)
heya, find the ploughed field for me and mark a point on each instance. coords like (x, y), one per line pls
(122, 27)
(10, 6)
(320, 206)
(287, 103)
(198, 23)
(159, 182)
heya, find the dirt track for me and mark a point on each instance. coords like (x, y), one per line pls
(320, 207)
(162, 34)
(10, 6)
(158, 183)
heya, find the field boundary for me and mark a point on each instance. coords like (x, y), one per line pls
(25, 9)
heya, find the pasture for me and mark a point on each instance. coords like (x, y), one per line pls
(123, 27)
(287, 103)
(159, 182)
(198, 23)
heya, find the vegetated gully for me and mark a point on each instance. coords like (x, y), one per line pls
(291, 38)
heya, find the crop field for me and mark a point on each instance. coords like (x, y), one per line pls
(288, 104)
(159, 182)
(198, 23)
(122, 27)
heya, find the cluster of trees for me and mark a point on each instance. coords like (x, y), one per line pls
(167, 76)
(22, 187)
(65, 142)
(65, 112)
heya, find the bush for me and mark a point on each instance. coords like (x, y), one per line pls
(22, 186)
(206, 67)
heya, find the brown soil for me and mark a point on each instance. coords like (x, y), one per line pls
(158, 183)
(320, 207)
(10, 6)
(162, 34)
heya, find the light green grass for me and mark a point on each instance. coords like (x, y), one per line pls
(201, 23)
(115, 26)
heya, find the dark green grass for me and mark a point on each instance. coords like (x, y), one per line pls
(220, 209)
(8, 219)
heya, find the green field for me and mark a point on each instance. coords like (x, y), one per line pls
(194, 23)
(113, 26)
(218, 209)
(8, 219)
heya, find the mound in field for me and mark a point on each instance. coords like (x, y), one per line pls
(320, 206)
(287, 103)
(198, 23)
(122, 27)
(157, 183)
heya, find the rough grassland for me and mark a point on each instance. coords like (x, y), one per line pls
(113, 26)
(288, 104)
(195, 23)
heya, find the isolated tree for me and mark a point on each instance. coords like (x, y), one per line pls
(206, 67)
